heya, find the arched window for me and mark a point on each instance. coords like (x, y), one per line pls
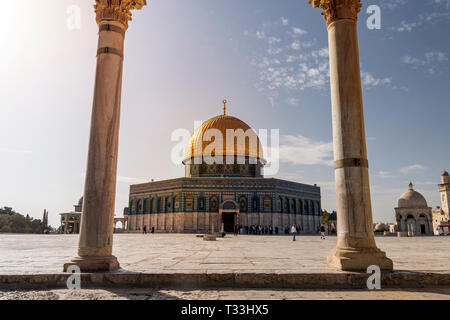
(301, 206)
(169, 204)
(267, 203)
(161, 205)
(176, 203)
(293, 206)
(189, 203)
(279, 207)
(150, 205)
(213, 204)
(243, 204)
(313, 208)
(201, 204)
(139, 208)
(307, 207)
(255, 204)
(286, 205)
(146, 206)
(155, 205)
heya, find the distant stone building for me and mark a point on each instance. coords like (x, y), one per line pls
(70, 221)
(413, 215)
(441, 216)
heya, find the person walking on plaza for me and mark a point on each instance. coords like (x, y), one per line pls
(322, 232)
(293, 231)
(145, 230)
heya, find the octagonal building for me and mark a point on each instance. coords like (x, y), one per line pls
(223, 187)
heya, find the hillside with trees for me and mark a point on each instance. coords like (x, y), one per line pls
(14, 222)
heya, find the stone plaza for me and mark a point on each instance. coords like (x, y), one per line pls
(186, 253)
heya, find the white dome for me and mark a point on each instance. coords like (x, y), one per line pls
(412, 199)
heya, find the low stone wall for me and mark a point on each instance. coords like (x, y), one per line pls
(234, 280)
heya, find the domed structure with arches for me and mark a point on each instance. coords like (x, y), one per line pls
(413, 215)
(223, 187)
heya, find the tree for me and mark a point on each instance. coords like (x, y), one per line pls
(325, 217)
(11, 221)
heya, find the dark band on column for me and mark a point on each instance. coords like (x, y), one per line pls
(351, 162)
(110, 27)
(110, 50)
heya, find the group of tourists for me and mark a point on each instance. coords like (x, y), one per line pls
(270, 230)
(144, 230)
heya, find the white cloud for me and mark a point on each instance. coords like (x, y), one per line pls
(298, 31)
(407, 27)
(295, 45)
(300, 150)
(293, 101)
(260, 34)
(414, 167)
(431, 61)
(369, 81)
(284, 21)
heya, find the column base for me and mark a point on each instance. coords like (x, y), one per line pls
(94, 263)
(358, 259)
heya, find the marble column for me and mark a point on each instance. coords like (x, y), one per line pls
(96, 234)
(356, 248)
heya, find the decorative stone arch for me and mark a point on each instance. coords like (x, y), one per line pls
(411, 223)
(293, 205)
(146, 207)
(139, 207)
(123, 221)
(423, 224)
(279, 204)
(286, 205)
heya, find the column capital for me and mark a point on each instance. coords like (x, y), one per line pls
(116, 11)
(334, 10)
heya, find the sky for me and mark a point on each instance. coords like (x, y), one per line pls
(269, 58)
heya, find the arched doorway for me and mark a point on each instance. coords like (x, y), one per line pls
(411, 224)
(228, 215)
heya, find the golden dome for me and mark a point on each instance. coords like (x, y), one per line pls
(202, 138)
